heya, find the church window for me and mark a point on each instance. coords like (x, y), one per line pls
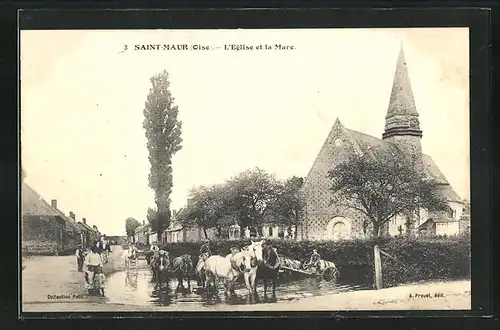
(339, 230)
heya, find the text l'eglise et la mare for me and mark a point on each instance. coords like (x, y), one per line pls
(203, 47)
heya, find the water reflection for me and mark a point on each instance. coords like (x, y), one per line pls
(161, 297)
(136, 288)
(131, 279)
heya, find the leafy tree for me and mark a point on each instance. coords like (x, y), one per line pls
(288, 205)
(158, 221)
(250, 199)
(163, 133)
(130, 225)
(206, 207)
(251, 195)
(411, 218)
(383, 187)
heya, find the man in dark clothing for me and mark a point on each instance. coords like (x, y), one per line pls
(97, 246)
(205, 248)
(80, 257)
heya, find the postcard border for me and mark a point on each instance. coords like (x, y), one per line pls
(478, 21)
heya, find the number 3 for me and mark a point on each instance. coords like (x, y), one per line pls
(125, 47)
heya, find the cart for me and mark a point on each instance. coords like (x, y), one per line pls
(329, 271)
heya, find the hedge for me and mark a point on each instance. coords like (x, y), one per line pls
(416, 259)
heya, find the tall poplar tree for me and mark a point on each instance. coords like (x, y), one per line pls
(163, 133)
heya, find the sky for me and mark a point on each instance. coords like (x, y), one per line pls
(83, 95)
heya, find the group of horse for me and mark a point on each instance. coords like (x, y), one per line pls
(162, 268)
(255, 261)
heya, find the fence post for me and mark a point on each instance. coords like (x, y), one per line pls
(378, 267)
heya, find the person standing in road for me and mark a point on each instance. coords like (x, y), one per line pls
(80, 257)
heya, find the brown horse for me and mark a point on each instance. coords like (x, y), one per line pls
(160, 264)
(182, 268)
(269, 269)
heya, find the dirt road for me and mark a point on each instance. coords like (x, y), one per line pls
(54, 279)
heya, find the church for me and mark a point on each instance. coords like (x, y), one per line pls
(323, 220)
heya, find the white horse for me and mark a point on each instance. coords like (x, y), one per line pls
(255, 251)
(230, 267)
(233, 253)
(226, 269)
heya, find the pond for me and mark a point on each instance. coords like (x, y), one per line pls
(136, 288)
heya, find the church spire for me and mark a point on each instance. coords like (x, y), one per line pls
(402, 116)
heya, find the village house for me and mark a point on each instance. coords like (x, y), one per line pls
(88, 234)
(267, 230)
(141, 234)
(445, 226)
(276, 231)
(72, 229)
(436, 226)
(98, 233)
(179, 233)
(43, 228)
(402, 135)
(176, 232)
(153, 237)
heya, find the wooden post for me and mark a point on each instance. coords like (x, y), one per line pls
(378, 268)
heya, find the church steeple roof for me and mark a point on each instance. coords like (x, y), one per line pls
(402, 115)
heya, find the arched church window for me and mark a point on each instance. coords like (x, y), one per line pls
(339, 230)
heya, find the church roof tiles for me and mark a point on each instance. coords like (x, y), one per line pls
(377, 147)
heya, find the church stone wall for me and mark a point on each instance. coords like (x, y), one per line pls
(410, 145)
(316, 192)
